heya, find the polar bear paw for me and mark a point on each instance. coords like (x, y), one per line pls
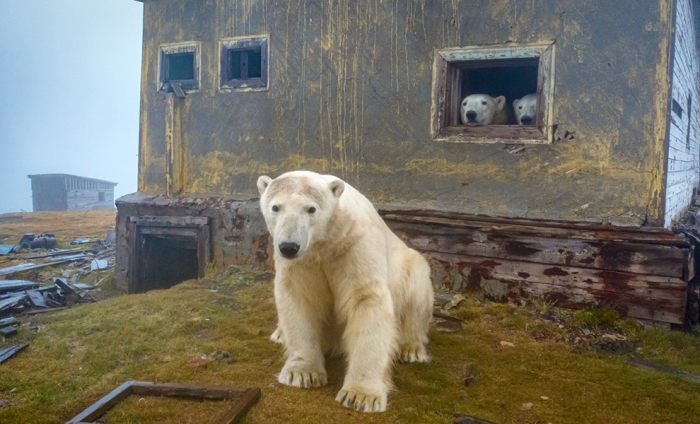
(413, 352)
(276, 336)
(297, 377)
(363, 402)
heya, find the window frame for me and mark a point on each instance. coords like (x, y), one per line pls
(166, 50)
(447, 65)
(226, 46)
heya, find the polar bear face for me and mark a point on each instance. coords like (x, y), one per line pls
(525, 109)
(297, 207)
(481, 108)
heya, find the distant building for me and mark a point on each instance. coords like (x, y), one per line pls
(63, 192)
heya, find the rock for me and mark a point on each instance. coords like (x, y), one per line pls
(507, 344)
(456, 300)
(526, 406)
(222, 357)
(544, 398)
(448, 326)
(586, 332)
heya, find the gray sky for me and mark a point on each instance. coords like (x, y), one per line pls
(70, 72)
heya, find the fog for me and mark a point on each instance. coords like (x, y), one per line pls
(70, 73)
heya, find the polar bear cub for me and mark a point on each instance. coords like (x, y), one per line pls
(344, 283)
(483, 109)
(525, 109)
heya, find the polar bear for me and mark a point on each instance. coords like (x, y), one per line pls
(483, 109)
(344, 284)
(525, 109)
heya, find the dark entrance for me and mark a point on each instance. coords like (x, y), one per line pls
(167, 251)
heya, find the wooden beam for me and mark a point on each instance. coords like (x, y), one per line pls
(615, 255)
(639, 296)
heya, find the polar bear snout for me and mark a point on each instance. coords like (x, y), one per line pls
(526, 120)
(289, 249)
(471, 116)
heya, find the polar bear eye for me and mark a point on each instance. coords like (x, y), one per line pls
(483, 103)
(520, 107)
(275, 208)
(312, 210)
(464, 104)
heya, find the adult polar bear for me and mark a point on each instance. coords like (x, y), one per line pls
(344, 284)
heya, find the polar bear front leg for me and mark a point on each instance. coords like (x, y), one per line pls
(301, 327)
(370, 342)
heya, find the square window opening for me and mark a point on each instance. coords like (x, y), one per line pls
(513, 80)
(101, 196)
(179, 65)
(244, 64)
(510, 71)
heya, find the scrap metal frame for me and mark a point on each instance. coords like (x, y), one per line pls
(243, 398)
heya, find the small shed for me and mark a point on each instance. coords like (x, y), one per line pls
(64, 192)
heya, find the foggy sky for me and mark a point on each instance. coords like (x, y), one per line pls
(70, 74)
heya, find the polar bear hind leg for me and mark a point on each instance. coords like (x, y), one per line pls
(416, 310)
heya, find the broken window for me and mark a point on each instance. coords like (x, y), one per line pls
(493, 94)
(179, 64)
(244, 63)
(101, 196)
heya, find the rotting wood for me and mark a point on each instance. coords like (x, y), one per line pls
(468, 419)
(626, 256)
(540, 229)
(243, 398)
(638, 362)
(640, 296)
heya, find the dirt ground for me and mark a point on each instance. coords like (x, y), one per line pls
(507, 363)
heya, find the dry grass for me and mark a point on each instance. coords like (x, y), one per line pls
(83, 353)
(66, 226)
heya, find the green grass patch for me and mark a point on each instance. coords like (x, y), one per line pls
(83, 353)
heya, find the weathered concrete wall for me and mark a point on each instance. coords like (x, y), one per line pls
(237, 228)
(684, 147)
(350, 94)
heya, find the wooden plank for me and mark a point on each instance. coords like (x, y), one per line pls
(170, 221)
(536, 229)
(144, 388)
(235, 414)
(640, 296)
(103, 405)
(170, 134)
(439, 96)
(635, 257)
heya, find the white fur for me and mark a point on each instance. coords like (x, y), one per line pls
(525, 107)
(354, 288)
(485, 106)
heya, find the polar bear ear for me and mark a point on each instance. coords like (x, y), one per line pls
(337, 187)
(263, 182)
(500, 102)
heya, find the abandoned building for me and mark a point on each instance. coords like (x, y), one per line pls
(64, 192)
(576, 208)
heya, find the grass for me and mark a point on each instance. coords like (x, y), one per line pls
(66, 226)
(83, 353)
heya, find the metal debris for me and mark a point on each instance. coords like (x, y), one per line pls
(10, 351)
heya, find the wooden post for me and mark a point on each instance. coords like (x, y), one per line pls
(174, 145)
